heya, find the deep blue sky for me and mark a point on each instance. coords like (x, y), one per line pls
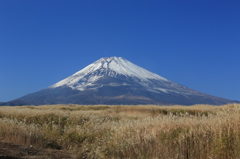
(195, 43)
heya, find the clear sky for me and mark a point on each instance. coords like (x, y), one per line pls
(195, 43)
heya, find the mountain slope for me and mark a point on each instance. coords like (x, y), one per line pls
(115, 80)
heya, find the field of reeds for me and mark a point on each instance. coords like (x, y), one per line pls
(102, 131)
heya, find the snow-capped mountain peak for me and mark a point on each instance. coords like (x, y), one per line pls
(115, 80)
(108, 66)
(120, 66)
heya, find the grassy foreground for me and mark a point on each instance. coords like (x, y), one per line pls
(167, 132)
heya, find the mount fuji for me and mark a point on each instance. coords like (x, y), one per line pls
(115, 80)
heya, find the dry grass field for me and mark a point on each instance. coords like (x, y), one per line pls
(102, 131)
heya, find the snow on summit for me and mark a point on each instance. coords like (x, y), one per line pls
(125, 67)
(108, 66)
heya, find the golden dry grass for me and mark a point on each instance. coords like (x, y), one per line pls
(144, 131)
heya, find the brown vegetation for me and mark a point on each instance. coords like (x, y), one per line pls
(171, 132)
